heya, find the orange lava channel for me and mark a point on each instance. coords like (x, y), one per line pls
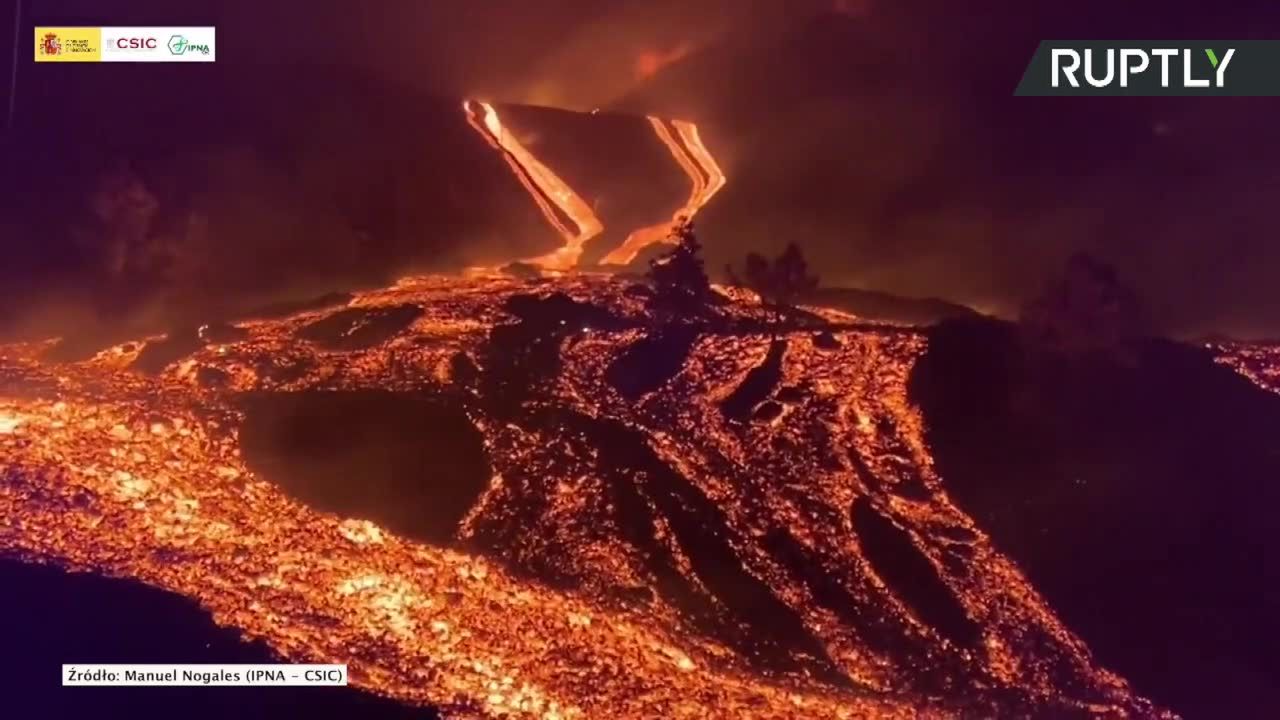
(544, 186)
(707, 179)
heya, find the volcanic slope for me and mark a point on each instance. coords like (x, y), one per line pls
(443, 484)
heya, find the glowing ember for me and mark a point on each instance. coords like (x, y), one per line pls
(9, 423)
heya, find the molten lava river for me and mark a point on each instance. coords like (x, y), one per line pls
(690, 523)
(1260, 362)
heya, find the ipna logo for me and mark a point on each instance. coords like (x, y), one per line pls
(178, 45)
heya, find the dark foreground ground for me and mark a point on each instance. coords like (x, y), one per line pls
(1139, 496)
(49, 617)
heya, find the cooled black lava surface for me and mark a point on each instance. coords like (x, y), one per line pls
(359, 328)
(159, 354)
(1139, 499)
(758, 384)
(182, 342)
(882, 632)
(652, 360)
(910, 575)
(412, 462)
(521, 355)
(558, 309)
(750, 618)
(49, 617)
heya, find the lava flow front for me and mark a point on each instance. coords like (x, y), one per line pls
(753, 531)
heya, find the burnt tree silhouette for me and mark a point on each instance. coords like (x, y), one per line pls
(1086, 311)
(680, 284)
(780, 283)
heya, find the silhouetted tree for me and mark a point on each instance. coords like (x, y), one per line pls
(1086, 310)
(680, 284)
(780, 283)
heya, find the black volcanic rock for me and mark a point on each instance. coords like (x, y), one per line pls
(557, 309)
(882, 634)
(521, 355)
(1139, 499)
(791, 395)
(159, 354)
(826, 341)
(221, 332)
(759, 382)
(910, 575)
(642, 483)
(359, 328)
(411, 462)
(463, 370)
(768, 411)
(652, 360)
(183, 342)
(213, 378)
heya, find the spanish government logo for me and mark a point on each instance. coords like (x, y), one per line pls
(71, 44)
(49, 44)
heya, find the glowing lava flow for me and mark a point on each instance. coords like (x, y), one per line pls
(662, 523)
(544, 186)
(558, 202)
(697, 162)
(1259, 362)
(715, 176)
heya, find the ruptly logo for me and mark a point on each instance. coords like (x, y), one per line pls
(1153, 68)
(178, 45)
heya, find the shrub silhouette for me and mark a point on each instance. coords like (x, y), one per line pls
(1085, 311)
(680, 285)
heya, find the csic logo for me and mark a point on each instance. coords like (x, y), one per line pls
(49, 44)
(1153, 68)
(178, 45)
(134, 43)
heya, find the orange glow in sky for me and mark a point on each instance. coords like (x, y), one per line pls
(649, 62)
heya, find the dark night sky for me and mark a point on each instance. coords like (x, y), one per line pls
(915, 170)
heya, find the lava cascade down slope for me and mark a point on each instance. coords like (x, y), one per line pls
(276, 188)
